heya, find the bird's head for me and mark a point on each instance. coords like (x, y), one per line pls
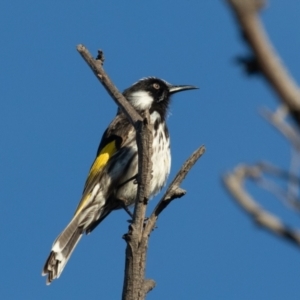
(153, 93)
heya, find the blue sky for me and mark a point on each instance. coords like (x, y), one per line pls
(53, 112)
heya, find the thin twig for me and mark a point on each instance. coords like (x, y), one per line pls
(148, 286)
(279, 121)
(135, 285)
(97, 68)
(134, 271)
(271, 66)
(173, 191)
(287, 196)
(283, 195)
(234, 182)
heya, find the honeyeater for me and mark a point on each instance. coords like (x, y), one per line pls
(111, 182)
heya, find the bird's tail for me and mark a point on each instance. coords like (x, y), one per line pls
(61, 250)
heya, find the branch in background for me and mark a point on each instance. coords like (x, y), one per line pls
(270, 65)
(278, 120)
(288, 196)
(264, 59)
(234, 183)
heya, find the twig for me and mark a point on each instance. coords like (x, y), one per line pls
(148, 286)
(270, 64)
(173, 191)
(265, 59)
(135, 285)
(234, 182)
(134, 277)
(96, 66)
(134, 282)
(287, 196)
(278, 120)
(274, 170)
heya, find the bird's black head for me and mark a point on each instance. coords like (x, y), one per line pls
(153, 93)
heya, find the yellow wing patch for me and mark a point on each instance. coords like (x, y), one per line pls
(101, 160)
(81, 204)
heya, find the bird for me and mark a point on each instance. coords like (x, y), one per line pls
(111, 182)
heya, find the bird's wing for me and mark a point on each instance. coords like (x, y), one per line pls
(112, 141)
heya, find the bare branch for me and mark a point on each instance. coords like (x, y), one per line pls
(135, 254)
(270, 64)
(148, 286)
(274, 170)
(278, 120)
(134, 270)
(135, 286)
(234, 182)
(173, 191)
(287, 196)
(96, 66)
(291, 133)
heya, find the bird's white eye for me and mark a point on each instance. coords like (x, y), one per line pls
(156, 86)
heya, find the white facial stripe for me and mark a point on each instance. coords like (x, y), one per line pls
(141, 100)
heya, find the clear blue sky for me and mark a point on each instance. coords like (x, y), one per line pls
(53, 112)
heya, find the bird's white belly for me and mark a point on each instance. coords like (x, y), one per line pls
(161, 164)
(161, 161)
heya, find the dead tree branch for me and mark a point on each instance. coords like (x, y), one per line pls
(97, 68)
(135, 285)
(234, 182)
(174, 191)
(278, 120)
(134, 282)
(265, 60)
(270, 65)
(135, 276)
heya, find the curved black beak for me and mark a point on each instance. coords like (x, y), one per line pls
(178, 88)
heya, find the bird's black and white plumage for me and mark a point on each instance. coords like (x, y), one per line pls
(111, 181)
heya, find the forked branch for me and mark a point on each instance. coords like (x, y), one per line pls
(234, 182)
(97, 67)
(135, 285)
(268, 63)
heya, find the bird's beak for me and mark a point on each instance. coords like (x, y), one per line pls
(178, 88)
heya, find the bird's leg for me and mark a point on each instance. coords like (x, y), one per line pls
(121, 203)
(127, 210)
(128, 180)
